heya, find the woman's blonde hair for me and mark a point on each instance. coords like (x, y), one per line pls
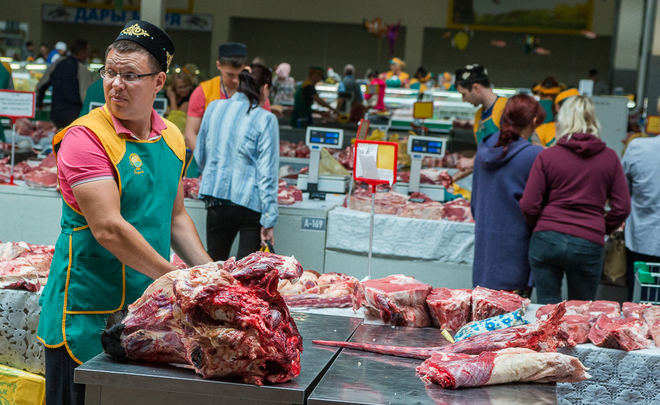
(577, 115)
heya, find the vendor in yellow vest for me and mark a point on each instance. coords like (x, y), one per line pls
(232, 59)
(396, 77)
(547, 133)
(473, 84)
(119, 170)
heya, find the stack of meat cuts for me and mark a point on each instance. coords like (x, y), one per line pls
(291, 149)
(487, 303)
(601, 322)
(36, 130)
(429, 176)
(397, 299)
(223, 319)
(24, 266)
(35, 174)
(329, 290)
(287, 195)
(191, 187)
(417, 205)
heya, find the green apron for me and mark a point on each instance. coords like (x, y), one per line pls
(86, 282)
(491, 124)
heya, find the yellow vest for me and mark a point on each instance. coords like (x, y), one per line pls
(547, 133)
(211, 89)
(491, 124)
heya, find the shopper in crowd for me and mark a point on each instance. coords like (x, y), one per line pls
(118, 169)
(352, 100)
(376, 88)
(238, 153)
(565, 199)
(70, 78)
(27, 52)
(55, 54)
(305, 97)
(232, 57)
(501, 168)
(283, 85)
(642, 229)
(178, 92)
(42, 56)
(547, 90)
(396, 76)
(546, 134)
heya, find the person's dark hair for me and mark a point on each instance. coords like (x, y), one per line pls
(549, 82)
(234, 61)
(371, 74)
(593, 72)
(518, 114)
(29, 43)
(250, 83)
(78, 46)
(421, 72)
(125, 46)
(471, 74)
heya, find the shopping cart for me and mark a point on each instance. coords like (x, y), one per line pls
(647, 283)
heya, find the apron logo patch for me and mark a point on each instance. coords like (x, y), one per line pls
(136, 162)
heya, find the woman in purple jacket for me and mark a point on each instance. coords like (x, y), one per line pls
(564, 200)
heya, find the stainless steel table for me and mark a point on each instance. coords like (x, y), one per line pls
(109, 382)
(357, 377)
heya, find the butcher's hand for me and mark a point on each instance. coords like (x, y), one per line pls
(267, 234)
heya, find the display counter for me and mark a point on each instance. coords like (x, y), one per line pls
(110, 382)
(437, 252)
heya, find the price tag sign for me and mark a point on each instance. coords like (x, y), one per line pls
(423, 110)
(375, 162)
(17, 104)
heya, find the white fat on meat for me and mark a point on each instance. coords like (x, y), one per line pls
(525, 365)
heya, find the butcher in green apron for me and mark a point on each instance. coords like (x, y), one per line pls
(116, 232)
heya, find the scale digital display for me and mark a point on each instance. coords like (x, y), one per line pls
(326, 137)
(427, 146)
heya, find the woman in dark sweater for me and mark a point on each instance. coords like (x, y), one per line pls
(501, 168)
(565, 201)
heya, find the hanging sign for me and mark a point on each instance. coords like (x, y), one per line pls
(375, 162)
(423, 110)
(16, 104)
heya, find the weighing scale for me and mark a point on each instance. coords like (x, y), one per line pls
(418, 148)
(317, 138)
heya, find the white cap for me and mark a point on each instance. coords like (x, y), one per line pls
(60, 46)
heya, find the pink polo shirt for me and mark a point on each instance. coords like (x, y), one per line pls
(82, 158)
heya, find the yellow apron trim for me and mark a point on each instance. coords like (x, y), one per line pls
(498, 110)
(68, 349)
(71, 206)
(50, 346)
(80, 228)
(211, 89)
(174, 139)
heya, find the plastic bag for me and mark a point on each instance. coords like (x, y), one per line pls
(614, 265)
(330, 166)
(21, 388)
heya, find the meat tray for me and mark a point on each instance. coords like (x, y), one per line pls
(366, 378)
(110, 382)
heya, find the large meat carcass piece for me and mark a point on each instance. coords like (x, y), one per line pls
(224, 320)
(504, 366)
(542, 336)
(487, 303)
(627, 334)
(332, 290)
(397, 299)
(449, 308)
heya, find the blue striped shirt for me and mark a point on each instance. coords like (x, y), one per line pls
(238, 154)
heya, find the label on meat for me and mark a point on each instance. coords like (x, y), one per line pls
(503, 321)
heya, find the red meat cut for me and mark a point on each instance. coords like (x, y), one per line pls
(573, 307)
(577, 328)
(610, 308)
(224, 320)
(332, 290)
(504, 366)
(191, 187)
(487, 303)
(627, 334)
(397, 299)
(542, 336)
(287, 195)
(449, 308)
(457, 210)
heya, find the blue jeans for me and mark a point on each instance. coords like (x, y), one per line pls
(551, 254)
